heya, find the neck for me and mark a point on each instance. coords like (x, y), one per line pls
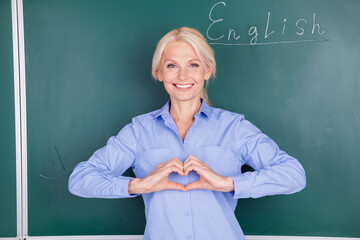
(184, 110)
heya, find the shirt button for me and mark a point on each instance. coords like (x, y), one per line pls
(187, 213)
(188, 236)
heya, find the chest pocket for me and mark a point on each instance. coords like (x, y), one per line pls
(148, 160)
(220, 159)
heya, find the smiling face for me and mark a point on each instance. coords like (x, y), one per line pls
(181, 72)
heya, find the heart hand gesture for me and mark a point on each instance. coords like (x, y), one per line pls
(209, 179)
(158, 179)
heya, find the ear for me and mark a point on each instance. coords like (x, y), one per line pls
(208, 74)
(157, 74)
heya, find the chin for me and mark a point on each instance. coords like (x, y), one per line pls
(176, 95)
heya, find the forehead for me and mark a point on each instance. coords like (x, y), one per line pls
(179, 50)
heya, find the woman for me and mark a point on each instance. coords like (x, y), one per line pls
(187, 156)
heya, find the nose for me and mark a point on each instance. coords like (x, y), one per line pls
(182, 74)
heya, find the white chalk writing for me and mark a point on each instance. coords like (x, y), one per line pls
(270, 33)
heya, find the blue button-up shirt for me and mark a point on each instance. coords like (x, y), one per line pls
(222, 139)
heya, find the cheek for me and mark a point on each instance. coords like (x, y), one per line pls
(198, 75)
(168, 85)
(168, 76)
(201, 76)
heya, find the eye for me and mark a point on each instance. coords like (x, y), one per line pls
(194, 65)
(171, 65)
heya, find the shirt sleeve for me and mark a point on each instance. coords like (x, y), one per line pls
(101, 176)
(275, 171)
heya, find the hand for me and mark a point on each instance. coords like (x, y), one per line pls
(158, 179)
(209, 179)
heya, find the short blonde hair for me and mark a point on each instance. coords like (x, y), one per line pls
(196, 40)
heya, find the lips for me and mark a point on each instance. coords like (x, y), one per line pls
(183, 86)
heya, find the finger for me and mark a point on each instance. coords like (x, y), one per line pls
(198, 160)
(174, 161)
(174, 164)
(190, 162)
(178, 161)
(192, 158)
(202, 170)
(160, 175)
(187, 164)
(179, 165)
(189, 158)
(171, 162)
(175, 186)
(189, 167)
(164, 171)
(195, 168)
(177, 169)
(193, 185)
(194, 163)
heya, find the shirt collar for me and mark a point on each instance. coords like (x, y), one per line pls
(205, 108)
(164, 111)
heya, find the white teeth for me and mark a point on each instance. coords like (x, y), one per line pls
(183, 86)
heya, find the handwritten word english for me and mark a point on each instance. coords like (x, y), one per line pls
(232, 37)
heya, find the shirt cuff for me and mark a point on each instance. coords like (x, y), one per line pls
(241, 186)
(121, 187)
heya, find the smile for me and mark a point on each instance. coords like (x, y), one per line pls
(183, 86)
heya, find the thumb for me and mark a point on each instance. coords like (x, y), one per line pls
(193, 185)
(175, 186)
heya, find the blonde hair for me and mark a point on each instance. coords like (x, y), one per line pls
(197, 41)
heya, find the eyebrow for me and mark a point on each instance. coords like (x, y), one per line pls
(192, 59)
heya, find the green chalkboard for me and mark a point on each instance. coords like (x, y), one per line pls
(7, 126)
(290, 66)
